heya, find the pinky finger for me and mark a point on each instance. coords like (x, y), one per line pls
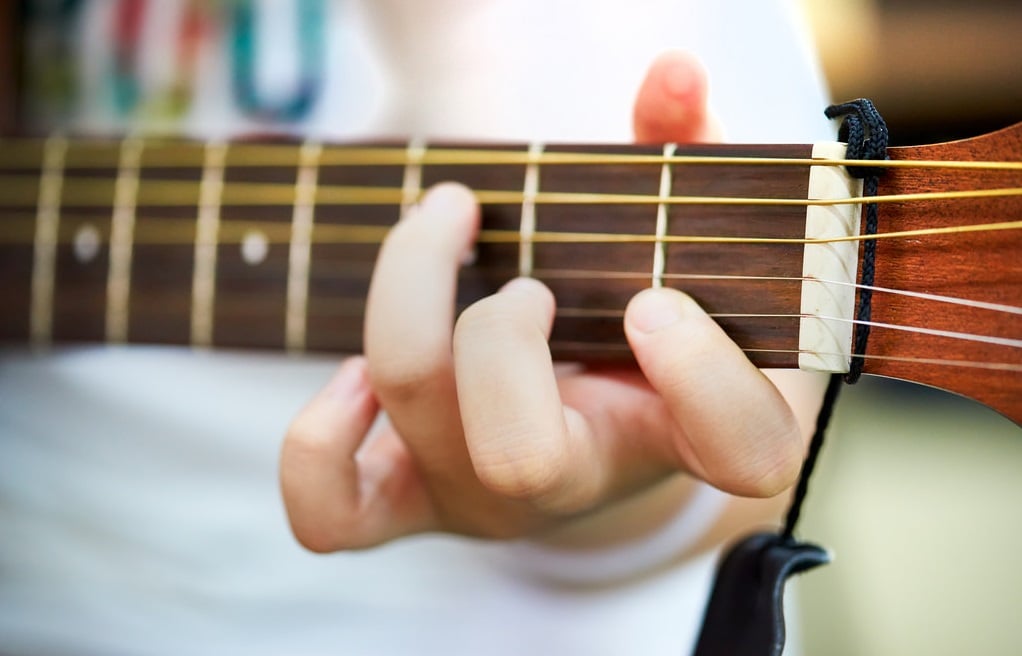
(339, 495)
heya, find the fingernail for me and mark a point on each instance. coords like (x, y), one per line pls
(679, 81)
(653, 310)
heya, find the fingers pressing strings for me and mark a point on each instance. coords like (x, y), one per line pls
(409, 324)
(716, 397)
(560, 445)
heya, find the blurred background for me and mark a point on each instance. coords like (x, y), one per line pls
(917, 493)
(936, 69)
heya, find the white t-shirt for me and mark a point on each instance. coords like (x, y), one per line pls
(139, 510)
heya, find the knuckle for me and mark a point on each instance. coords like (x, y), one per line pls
(324, 530)
(330, 539)
(304, 438)
(316, 526)
(318, 540)
(482, 523)
(483, 316)
(403, 379)
(490, 321)
(541, 479)
(515, 479)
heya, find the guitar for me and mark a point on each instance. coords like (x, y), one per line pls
(270, 245)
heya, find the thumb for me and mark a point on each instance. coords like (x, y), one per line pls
(672, 103)
(735, 430)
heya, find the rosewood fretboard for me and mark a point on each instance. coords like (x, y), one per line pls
(271, 245)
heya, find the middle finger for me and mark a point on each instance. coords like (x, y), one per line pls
(409, 323)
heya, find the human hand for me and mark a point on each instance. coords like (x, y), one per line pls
(483, 436)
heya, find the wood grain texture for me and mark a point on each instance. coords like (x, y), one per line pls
(980, 266)
(752, 289)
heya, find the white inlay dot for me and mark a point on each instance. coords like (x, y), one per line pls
(254, 247)
(86, 243)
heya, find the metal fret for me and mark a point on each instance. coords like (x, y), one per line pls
(660, 248)
(45, 242)
(122, 229)
(299, 255)
(206, 238)
(411, 185)
(528, 224)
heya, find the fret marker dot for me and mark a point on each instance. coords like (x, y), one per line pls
(254, 247)
(86, 243)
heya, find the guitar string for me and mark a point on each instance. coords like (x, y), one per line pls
(458, 157)
(16, 191)
(234, 234)
(498, 236)
(354, 307)
(588, 313)
(549, 275)
(171, 231)
(591, 313)
(23, 153)
(614, 275)
(621, 348)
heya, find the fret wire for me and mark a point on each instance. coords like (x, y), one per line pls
(122, 228)
(300, 250)
(47, 220)
(206, 240)
(527, 226)
(175, 193)
(170, 153)
(411, 185)
(659, 246)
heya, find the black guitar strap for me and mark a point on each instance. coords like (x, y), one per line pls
(745, 613)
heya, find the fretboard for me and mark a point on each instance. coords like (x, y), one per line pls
(271, 246)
